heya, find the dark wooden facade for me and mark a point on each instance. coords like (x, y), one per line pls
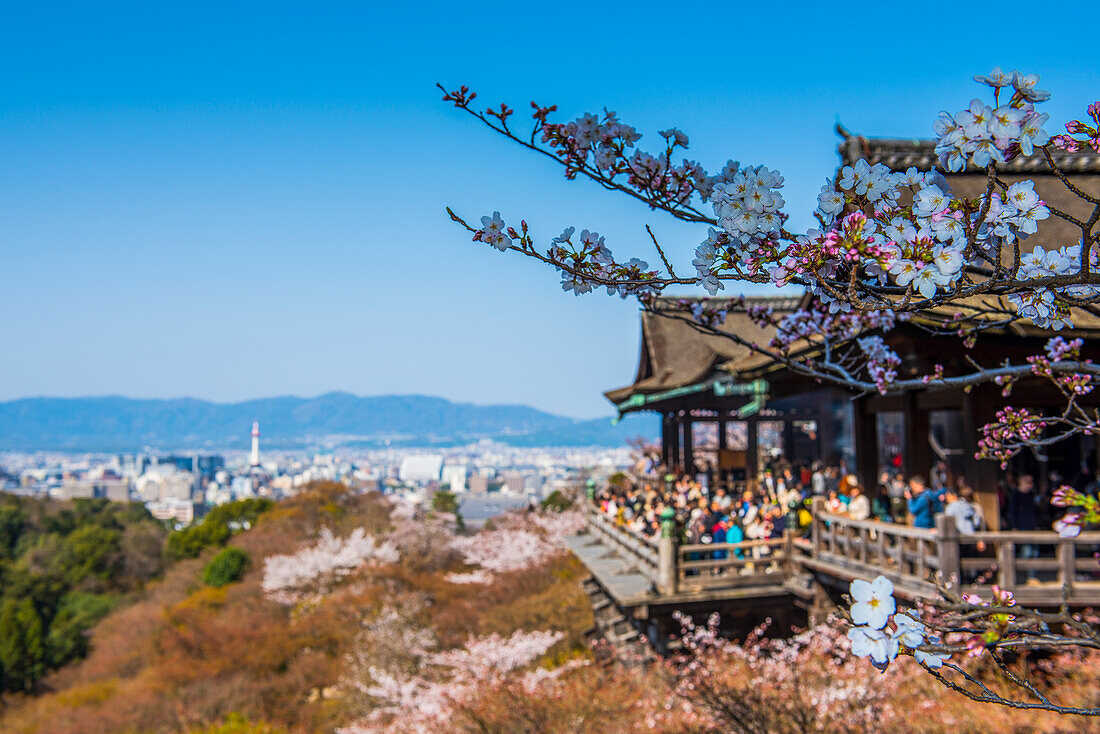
(721, 423)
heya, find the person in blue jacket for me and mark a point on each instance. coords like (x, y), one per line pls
(718, 533)
(922, 503)
(734, 534)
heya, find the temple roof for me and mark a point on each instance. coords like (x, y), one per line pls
(1082, 169)
(675, 353)
(900, 154)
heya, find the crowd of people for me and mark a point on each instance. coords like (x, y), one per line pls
(782, 499)
(779, 501)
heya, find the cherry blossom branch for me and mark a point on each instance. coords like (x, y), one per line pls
(970, 626)
(655, 189)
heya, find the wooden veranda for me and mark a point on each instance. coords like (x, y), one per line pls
(636, 583)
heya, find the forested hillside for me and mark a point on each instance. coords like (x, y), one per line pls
(335, 611)
(64, 566)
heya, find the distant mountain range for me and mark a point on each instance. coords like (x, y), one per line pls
(330, 420)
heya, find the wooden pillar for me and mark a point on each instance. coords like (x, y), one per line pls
(977, 410)
(666, 439)
(788, 440)
(752, 453)
(1094, 468)
(865, 428)
(689, 453)
(918, 452)
(817, 507)
(947, 547)
(667, 571)
(719, 475)
(675, 459)
(1006, 565)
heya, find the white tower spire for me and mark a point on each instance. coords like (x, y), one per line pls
(255, 443)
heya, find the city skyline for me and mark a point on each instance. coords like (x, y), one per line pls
(235, 203)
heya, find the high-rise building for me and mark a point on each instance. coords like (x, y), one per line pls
(255, 443)
(478, 484)
(165, 482)
(420, 468)
(513, 482)
(454, 475)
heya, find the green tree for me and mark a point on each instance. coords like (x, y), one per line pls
(12, 652)
(445, 502)
(52, 554)
(67, 639)
(12, 521)
(216, 528)
(191, 541)
(22, 645)
(89, 551)
(34, 642)
(227, 567)
(557, 501)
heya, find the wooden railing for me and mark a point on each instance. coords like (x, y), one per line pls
(642, 552)
(729, 565)
(1042, 568)
(1032, 563)
(867, 548)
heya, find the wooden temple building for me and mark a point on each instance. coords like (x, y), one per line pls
(722, 412)
(726, 410)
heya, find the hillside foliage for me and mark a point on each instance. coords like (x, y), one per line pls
(216, 527)
(63, 567)
(398, 622)
(226, 568)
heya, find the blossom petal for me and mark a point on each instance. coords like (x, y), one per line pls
(861, 590)
(882, 586)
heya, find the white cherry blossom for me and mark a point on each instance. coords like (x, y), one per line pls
(873, 643)
(873, 601)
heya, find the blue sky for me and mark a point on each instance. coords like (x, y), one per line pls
(237, 200)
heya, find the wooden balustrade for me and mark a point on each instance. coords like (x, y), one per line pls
(644, 553)
(867, 548)
(1032, 563)
(730, 565)
(1041, 567)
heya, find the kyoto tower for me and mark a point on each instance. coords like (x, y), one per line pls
(255, 443)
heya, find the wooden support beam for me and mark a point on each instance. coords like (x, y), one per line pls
(666, 439)
(1006, 565)
(689, 451)
(865, 429)
(1067, 566)
(917, 452)
(940, 399)
(885, 403)
(752, 453)
(947, 547)
(677, 460)
(977, 410)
